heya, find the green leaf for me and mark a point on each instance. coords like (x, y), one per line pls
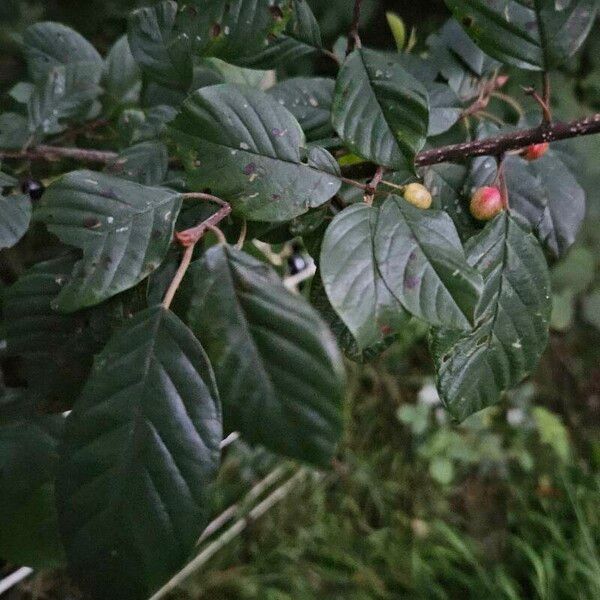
(380, 111)
(458, 60)
(223, 72)
(422, 262)
(48, 45)
(121, 79)
(236, 31)
(146, 162)
(138, 126)
(68, 93)
(352, 279)
(140, 450)
(445, 182)
(445, 108)
(56, 349)
(15, 214)
(246, 147)
(28, 463)
(160, 47)
(512, 325)
(396, 25)
(300, 38)
(277, 366)
(544, 192)
(536, 35)
(14, 131)
(346, 341)
(124, 230)
(309, 99)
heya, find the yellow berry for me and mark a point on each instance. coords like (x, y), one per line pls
(418, 195)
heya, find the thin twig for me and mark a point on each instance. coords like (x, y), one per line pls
(546, 112)
(488, 89)
(191, 236)
(204, 196)
(501, 179)
(242, 238)
(547, 87)
(373, 185)
(258, 511)
(353, 37)
(179, 275)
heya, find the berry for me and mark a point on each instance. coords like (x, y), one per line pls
(486, 203)
(296, 263)
(535, 151)
(418, 195)
(33, 188)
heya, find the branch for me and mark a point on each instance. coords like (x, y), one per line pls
(493, 146)
(51, 153)
(179, 275)
(191, 236)
(353, 37)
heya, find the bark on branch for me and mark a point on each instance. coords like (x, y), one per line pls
(493, 146)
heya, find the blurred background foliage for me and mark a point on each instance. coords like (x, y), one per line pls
(505, 505)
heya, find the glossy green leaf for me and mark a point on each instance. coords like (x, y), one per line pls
(123, 228)
(544, 192)
(352, 279)
(48, 45)
(279, 372)
(15, 214)
(346, 341)
(380, 111)
(446, 182)
(530, 34)
(121, 80)
(309, 100)
(140, 450)
(300, 38)
(547, 194)
(422, 262)
(445, 108)
(68, 93)
(512, 321)
(160, 47)
(28, 463)
(146, 162)
(458, 60)
(236, 30)
(56, 350)
(246, 147)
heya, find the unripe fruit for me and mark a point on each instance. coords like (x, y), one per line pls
(418, 195)
(486, 203)
(33, 188)
(535, 151)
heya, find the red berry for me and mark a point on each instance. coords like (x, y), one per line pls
(535, 151)
(486, 203)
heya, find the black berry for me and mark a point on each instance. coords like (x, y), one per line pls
(33, 188)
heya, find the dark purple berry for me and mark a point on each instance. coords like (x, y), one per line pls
(33, 188)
